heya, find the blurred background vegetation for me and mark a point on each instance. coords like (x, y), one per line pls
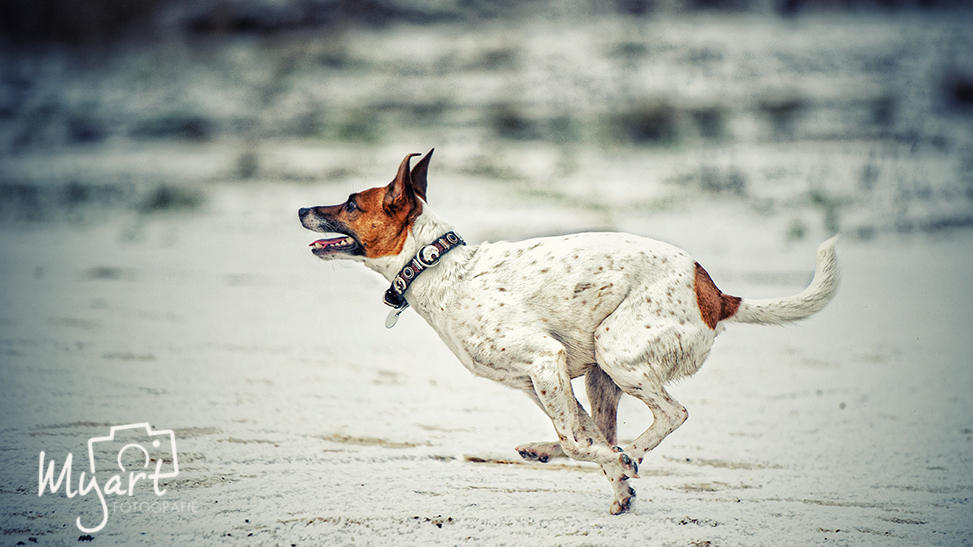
(100, 22)
(843, 115)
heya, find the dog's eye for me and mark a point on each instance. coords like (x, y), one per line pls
(350, 206)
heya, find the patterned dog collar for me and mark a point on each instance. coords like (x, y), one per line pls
(427, 257)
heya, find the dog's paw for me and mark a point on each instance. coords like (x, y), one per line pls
(540, 452)
(623, 503)
(629, 468)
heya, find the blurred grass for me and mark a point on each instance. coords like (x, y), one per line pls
(862, 121)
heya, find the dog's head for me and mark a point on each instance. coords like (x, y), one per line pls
(372, 223)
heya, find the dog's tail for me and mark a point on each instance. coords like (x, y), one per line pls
(811, 300)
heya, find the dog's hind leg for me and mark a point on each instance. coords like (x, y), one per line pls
(667, 415)
(579, 436)
(638, 375)
(603, 396)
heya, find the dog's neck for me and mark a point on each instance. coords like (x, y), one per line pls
(427, 228)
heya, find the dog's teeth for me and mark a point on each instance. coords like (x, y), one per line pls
(327, 244)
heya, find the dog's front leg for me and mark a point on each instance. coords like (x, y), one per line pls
(543, 451)
(603, 395)
(579, 437)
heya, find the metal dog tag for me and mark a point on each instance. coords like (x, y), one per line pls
(393, 316)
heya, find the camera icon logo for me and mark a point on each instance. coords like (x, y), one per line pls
(143, 448)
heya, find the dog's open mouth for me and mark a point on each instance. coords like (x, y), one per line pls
(343, 244)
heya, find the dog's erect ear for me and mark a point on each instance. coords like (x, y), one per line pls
(419, 173)
(401, 189)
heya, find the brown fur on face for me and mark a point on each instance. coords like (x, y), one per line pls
(379, 219)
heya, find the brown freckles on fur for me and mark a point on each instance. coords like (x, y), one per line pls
(545, 352)
(714, 306)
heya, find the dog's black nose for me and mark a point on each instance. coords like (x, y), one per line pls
(302, 211)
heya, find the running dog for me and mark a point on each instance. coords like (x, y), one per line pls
(628, 313)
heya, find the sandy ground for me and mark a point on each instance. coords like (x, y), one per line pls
(301, 420)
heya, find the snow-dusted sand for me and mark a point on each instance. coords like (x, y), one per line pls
(301, 420)
(152, 279)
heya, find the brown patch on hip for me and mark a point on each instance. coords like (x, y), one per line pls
(714, 306)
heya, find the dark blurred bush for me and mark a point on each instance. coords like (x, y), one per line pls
(783, 113)
(75, 22)
(635, 7)
(711, 122)
(18, 200)
(27, 201)
(256, 17)
(95, 22)
(647, 122)
(173, 126)
(728, 5)
(794, 7)
(359, 126)
(509, 122)
(731, 181)
(957, 89)
(83, 129)
(172, 199)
